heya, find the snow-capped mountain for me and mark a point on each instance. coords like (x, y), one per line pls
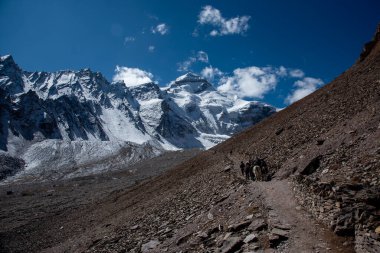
(68, 106)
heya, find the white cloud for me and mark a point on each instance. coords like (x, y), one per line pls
(304, 87)
(161, 29)
(297, 73)
(185, 65)
(212, 16)
(249, 82)
(200, 56)
(214, 33)
(211, 73)
(282, 71)
(132, 76)
(151, 48)
(255, 82)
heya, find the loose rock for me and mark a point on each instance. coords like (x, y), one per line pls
(250, 238)
(230, 245)
(147, 247)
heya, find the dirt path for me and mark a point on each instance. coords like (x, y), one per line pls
(305, 235)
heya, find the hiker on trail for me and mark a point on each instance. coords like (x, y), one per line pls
(247, 171)
(251, 174)
(242, 168)
(263, 165)
(260, 169)
(258, 173)
(264, 170)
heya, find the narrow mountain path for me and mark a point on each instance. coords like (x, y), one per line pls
(305, 234)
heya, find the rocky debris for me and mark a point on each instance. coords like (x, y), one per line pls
(274, 240)
(281, 226)
(147, 247)
(227, 169)
(231, 244)
(312, 166)
(249, 238)
(183, 239)
(320, 142)
(249, 217)
(280, 232)
(9, 166)
(221, 199)
(366, 241)
(257, 225)
(213, 230)
(349, 209)
(238, 226)
(202, 235)
(135, 227)
(279, 131)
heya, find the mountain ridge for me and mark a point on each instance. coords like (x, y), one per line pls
(83, 106)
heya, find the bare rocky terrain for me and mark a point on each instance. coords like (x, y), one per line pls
(323, 152)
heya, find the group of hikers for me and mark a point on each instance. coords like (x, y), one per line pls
(255, 169)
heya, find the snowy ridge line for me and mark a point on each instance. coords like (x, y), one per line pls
(83, 106)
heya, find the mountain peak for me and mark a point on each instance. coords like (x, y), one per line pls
(371, 46)
(191, 82)
(6, 57)
(7, 60)
(190, 77)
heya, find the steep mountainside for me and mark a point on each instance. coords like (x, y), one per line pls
(330, 141)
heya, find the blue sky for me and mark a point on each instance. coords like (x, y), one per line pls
(273, 51)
